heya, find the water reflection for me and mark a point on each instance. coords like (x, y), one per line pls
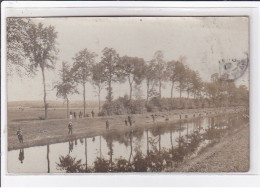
(21, 155)
(86, 152)
(71, 146)
(152, 150)
(70, 164)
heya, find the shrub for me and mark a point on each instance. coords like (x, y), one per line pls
(136, 107)
(41, 118)
(150, 107)
(123, 105)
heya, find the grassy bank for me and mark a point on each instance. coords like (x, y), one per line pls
(42, 132)
(230, 154)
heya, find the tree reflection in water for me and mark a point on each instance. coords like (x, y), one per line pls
(48, 158)
(156, 159)
(71, 146)
(70, 164)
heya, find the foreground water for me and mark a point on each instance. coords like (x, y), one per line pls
(154, 149)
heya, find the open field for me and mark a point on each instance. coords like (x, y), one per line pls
(34, 114)
(40, 132)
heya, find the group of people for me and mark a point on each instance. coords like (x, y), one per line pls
(74, 115)
(129, 121)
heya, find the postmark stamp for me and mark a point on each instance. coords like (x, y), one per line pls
(232, 69)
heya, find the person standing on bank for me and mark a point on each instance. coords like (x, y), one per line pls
(130, 120)
(80, 114)
(19, 135)
(153, 117)
(107, 125)
(70, 115)
(70, 128)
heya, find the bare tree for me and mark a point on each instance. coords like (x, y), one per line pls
(149, 77)
(189, 75)
(40, 48)
(98, 79)
(197, 84)
(172, 73)
(159, 69)
(81, 71)
(66, 86)
(110, 61)
(132, 68)
(180, 70)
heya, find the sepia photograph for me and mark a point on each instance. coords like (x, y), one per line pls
(128, 94)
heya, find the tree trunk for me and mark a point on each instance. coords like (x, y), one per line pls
(148, 88)
(159, 142)
(109, 90)
(172, 89)
(131, 88)
(187, 130)
(147, 138)
(171, 141)
(100, 151)
(84, 98)
(67, 107)
(160, 86)
(99, 102)
(44, 96)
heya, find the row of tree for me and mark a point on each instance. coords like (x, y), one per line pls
(112, 68)
(34, 47)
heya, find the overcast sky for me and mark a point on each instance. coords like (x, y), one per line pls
(202, 40)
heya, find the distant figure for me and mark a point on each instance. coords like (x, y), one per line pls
(153, 118)
(70, 115)
(75, 115)
(19, 135)
(107, 125)
(80, 114)
(93, 139)
(167, 118)
(130, 120)
(70, 128)
(21, 155)
(126, 122)
(93, 113)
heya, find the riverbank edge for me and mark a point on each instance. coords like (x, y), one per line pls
(89, 134)
(209, 152)
(65, 138)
